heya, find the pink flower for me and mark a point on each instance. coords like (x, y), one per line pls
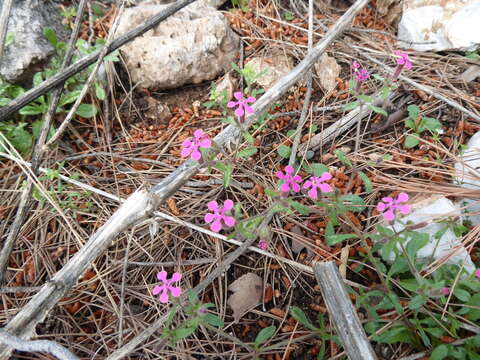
(477, 273)
(355, 65)
(403, 59)
(362, 75)
(291, 182)
(445, 291)
(242, 104)
(263, 244)
(218, 215)
(317, 182)
(190, 146)
(166, 286)
(388, 206)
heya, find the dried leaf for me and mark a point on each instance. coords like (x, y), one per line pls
(297, 244)
(172, 205)
(328, 71)
(247, 292)
(471, 73)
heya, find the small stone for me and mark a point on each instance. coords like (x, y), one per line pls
(157, 110)
(275, 67)
(328, 71)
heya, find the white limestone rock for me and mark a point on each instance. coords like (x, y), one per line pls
(449, 25)
(327, 70)
(448, 248)
(273, 67)
(192, 46)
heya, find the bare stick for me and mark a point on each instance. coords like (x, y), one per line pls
(45, 346)
(342, 312)
(50, 83)
(139, 205)
(87, 84)
(427, 89)
(4, 16)
(38, 152)
(306, 101)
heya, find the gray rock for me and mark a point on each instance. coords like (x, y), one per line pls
(28, 19)
(192, 46)
(440, 25)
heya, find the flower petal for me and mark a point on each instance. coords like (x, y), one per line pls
(280, 175)
(325, 176)
(313, 193)
(381, 207)
(216, 226)
(307, 184)
(387, 200)
(239, 112)
(229, 221)
(157, 290)
(231, 104)
(238, 95)
(325, 188)
(295, 187)
(402, 197)
(187, 143)
(213, 206)
(176, 277)
(404, 209)
(389, 215)
(198, 133)
(196, 155)
(209, 217)
(205, 143)
(185, 152)
(162, 276)
(228, 205)
(285, 188)
(250, 99)
(164, 297)
(176, 291)
(248, 109)
(288, 169)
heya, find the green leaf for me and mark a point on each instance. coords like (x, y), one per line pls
(413, 111)
(396, 334)
(417, 302)
(213, 320)
(284, 151)
(51, 36)
(355, 202)
(439, 353)
(248, 152)
(316, 169)
(378, 77)
(302, 209)
(227, 175)
(300, 316)
(343, 158)
(280, 208)
(99, 91)
(378, 110)
(399, 266)
(271, 193)
(366, 181)
(411, 141)
(69, 98)
(21, 139)
(335, 239)
(249, 138)
(86, 111)
(33, 109)
(462, 295)
(264, 335)
(365, 98)
(9, 39)
(37, 79)
(182, 333)
(192, 296)
(351, 106)
(288, 16)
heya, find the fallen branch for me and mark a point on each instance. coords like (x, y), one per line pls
(45, 346)
(57, 79)
(140, 205)
(342, 312)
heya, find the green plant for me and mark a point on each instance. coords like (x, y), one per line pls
(262, 337)
(419, 124)
(250, 76)
(242, 4)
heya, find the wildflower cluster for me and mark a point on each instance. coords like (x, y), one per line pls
(293, 183)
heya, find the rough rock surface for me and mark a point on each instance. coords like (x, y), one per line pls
(468, 177)
(273, 67)
(448, 24)
(448, 248)
(192, 46)
(327, 70)
(27, 20)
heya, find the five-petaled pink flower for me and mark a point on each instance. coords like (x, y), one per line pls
(477, 273)
(263, 244)
(388, 206)
(290, 182)
(166, 286)
(218, 215)
(242, 104)
(190, 147)
(403, 59)
(317, 183)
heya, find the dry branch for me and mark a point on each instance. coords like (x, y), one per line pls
(342, 312)
(4, 16)
(45, 346)
(139, 206)
(51, 83)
